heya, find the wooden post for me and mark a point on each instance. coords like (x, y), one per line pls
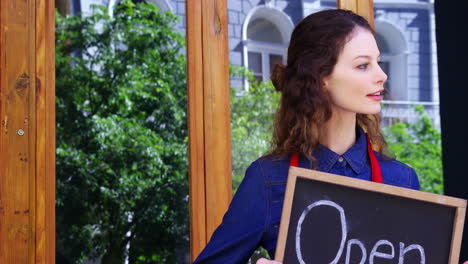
(364, 8)
(27, 132)
(45, 131)
(209, 125)
(196, 128)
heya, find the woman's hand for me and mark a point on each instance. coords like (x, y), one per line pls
(266, 261)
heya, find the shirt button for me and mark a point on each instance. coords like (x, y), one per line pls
(340, 159)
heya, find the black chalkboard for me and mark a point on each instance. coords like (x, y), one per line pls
(333, 219)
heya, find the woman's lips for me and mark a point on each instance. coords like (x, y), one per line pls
(375, 97)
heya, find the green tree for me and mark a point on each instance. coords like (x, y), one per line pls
(419, 145)
(252, 113)
(121, 136)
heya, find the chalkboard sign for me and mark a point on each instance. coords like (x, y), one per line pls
(335, 219)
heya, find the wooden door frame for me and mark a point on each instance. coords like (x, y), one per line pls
(208, 118)
(27, 131)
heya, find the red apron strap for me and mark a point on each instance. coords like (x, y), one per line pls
(375, 167)
(294, 162)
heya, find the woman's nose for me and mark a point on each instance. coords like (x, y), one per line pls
(381, 75)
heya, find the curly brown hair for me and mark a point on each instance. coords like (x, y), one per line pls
(305, 107)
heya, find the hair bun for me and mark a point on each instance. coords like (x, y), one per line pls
(277, 76)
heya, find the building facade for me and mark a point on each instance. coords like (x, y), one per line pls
(259, 32)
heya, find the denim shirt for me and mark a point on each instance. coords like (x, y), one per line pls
(254, 214)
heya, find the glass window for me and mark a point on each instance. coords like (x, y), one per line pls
(255, 64)
(264, 31)
(265, 48)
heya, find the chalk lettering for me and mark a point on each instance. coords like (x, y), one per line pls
(343, 229)
(374, 252)
(361, 246)
(404, 250)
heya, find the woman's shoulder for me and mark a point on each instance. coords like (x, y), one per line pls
(274, 168)
(397, 173)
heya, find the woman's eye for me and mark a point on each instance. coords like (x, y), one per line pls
(363, 66)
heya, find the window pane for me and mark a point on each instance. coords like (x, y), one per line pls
(255, 62)
(264, 31)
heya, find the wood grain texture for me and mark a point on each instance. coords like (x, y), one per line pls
(285, 217)
(382, 188)
(218, 181)
(27, 159)
(457, 236)
(17, 134)
(45, 132)
(41, 138)
(364, 8)
(32, 127)
(209, 115)
(49, 88)
(196, 128)
(347, 4)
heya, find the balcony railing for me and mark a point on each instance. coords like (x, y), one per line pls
(404, 111)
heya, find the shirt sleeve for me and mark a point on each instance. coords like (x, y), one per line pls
(243, 225)
(414, 181)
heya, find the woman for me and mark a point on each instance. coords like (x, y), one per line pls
(328, 120)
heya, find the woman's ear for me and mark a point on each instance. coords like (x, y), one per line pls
(325, 83)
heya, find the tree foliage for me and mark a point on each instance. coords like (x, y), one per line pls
(252, 113)
(419, 145)
(121, 136)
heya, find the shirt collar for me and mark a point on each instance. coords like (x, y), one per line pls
(355, 156)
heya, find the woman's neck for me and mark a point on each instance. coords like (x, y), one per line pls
(339, 134)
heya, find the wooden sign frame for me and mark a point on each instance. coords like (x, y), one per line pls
(295, 173)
